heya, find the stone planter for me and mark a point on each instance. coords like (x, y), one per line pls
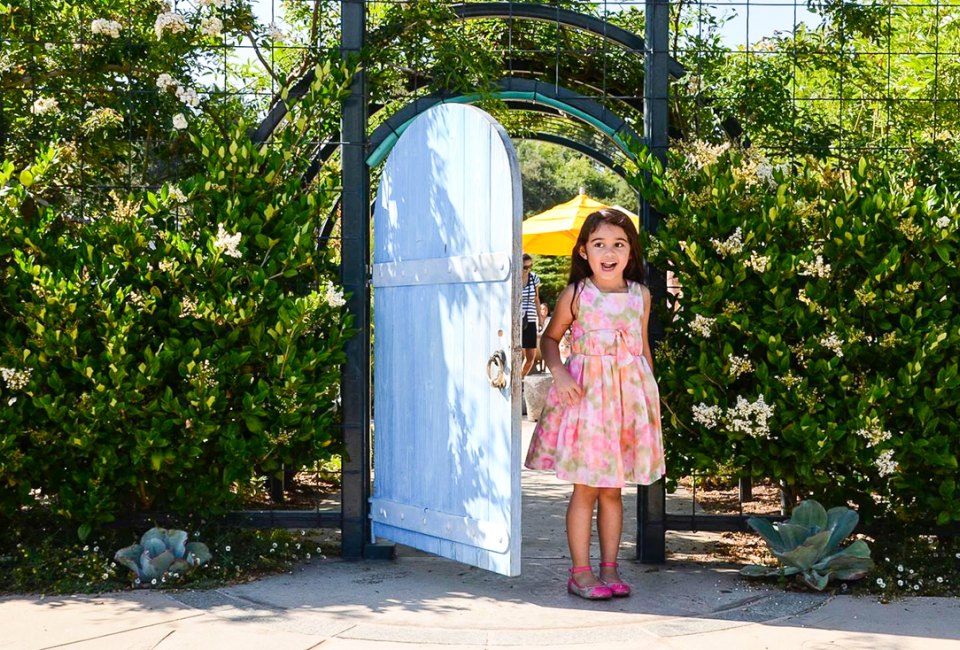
(535, 389)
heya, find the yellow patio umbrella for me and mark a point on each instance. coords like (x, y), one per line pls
(555, 231)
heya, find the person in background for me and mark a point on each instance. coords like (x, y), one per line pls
(600, 428)
(529, 314)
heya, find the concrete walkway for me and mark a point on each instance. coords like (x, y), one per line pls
(419, 600)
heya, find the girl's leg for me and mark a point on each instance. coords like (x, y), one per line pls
(610, 527)
(579, 525)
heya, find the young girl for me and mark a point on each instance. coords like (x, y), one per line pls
(600, 428)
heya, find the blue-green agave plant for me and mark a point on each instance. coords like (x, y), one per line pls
(162, 551)
(808, 546)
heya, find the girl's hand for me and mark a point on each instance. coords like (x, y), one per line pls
(567, 387)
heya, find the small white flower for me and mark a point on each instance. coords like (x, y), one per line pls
(276, 33)
(165, 82)
(154, 581)
(900, 566)
(731, 246)
(169, 21)
(179, 122)
(188, 96)
(940, 579)
(49, 47)
(899, 583)
(943, 222)
(708, 416)
(702, 325)
(106, 576)
(833, 343)
(332, 295)
(817, 268)
(211, 26)
(916, 587)
(740, 365)
(886, 465)
(44, 105)
(227, 243)
(16, 379)
(109, 28)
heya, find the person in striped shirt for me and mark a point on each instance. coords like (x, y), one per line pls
(530, 314)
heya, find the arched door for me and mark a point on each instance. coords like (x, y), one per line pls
(446, 234)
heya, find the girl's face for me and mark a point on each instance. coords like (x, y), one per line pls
(607, 252)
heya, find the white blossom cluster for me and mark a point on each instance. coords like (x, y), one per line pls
(332, 295)
(943, 222)
(205, 375)
(213, 3)
(227, 243)
(740, 365)
(873, 434)
(702, 325)
(765, 174)
(169, 21)
(166, 265)
(276, 34)
(211, 26)
(166, 83)
(189, 308)
(789, 380)
(732, 245)
(44, 105)
(889, 340)
(833, 343)
(702, 154)
(757, 262)
(188, 96)
(708, 416)
(16, 379)
(751, 418)
(179, 122)
(885, 463)
(817, 268)
(909, 229)
(109, 28)
(175, 194)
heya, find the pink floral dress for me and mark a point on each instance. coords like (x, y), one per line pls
(612, 436)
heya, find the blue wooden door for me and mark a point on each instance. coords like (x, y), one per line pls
(446, 233)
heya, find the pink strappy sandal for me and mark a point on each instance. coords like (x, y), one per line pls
(593, 592)
(617, 589)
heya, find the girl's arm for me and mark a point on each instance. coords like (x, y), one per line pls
(567, 387)
(646, 319)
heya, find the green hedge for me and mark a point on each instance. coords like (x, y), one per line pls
(817, 336)
(165, 351)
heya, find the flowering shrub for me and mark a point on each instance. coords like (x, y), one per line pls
(174, 345)
(815, 338)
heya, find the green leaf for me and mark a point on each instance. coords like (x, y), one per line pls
(254, 424)
(811, 514)
(26, 178)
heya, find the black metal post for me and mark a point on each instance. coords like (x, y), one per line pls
(355, 254)
(651, 500)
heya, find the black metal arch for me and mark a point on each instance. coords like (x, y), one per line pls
(470, 11)
(565, 17)
(585, 149)
(585, 105)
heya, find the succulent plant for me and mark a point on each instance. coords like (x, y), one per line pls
(162, 551)
(808, 546)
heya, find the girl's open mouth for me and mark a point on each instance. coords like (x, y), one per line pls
(608, 266)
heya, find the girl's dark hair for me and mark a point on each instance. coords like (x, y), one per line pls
(580, 268)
